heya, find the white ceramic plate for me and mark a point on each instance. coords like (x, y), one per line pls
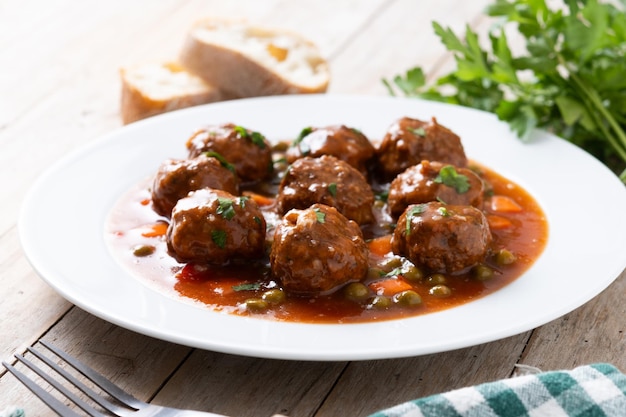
(62, 224)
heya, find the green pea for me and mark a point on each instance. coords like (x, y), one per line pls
(380, 302)
(280, 147)
(482, 272)
(143, 250)
(436, 279)
(274, 296)
(412, 273)
(505, 257)
(407, 298)
(375, 273)
(356, 291)
(440, 291)
(389, 264)
(256, 305)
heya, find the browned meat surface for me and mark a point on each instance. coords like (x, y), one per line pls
(317, 250)
(442, 238)
(409, 141)
(340, 141)
(215, 227)
(248, 151)
(434, 181)
(326, 180)
(177, 177)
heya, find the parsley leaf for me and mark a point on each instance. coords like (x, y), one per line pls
(568, 79)
(242, 201)
(304, 147)
(253, 286)
(256, 138)
(411, 213)
(419, 131)
(225, 208)
(448, 176)
(219, 238)
(221, 159)
(382, 195)
(320, 215)
(394, 272)
(444, 212)
(332, 189)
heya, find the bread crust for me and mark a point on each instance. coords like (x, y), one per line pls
(139, 102)
(241, 74)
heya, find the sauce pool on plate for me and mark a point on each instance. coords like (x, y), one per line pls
(392, 287)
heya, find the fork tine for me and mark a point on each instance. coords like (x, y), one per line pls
(110, 388)
(54, 404)
(102, 402)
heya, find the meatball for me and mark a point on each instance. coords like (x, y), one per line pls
(326, 180)
(442, 238)
(177, 177)
(317, 250)
(248, 151)
(409, 141)
(434, 181)
(214, 227)
(347, 144)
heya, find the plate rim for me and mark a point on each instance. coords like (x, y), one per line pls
(290, 351)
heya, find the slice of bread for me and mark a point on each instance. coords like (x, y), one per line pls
(250, 61)
(152, 89)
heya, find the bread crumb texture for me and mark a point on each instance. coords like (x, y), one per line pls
(224, 59)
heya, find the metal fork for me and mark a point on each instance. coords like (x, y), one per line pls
(131, 406)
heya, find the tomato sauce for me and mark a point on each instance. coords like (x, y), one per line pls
(136, 237)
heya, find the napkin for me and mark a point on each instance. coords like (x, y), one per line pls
(12, 412)
(597, 390)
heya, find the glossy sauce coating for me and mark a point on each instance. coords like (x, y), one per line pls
(519, 229)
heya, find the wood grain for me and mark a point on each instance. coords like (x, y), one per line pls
(59, 90)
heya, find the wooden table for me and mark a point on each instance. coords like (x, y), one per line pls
(60, 89)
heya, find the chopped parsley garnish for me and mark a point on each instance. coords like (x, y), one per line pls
(448, 176)
(219, 238)
(394, 272)
(256, 138)
(303, 133)
(252, 286)
(413, 211)
(304, 147)
(222, 160)
(382, 196)
(320, 215)
(225, 208)
(419, 131)
(332, 189)
(242, 201)
(444, 212)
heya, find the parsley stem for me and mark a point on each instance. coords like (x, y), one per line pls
(619, 143)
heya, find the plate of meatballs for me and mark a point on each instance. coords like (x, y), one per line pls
(325, 227)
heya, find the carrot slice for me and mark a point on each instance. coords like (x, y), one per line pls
(498, 222)
(261, 200)
(380, 246)
(503, 204)
(154, 230)
(390, 286)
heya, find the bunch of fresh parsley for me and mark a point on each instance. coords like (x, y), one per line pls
(571, 80)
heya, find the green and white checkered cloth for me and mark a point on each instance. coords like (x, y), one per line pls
(597, 390)
(12, 412)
